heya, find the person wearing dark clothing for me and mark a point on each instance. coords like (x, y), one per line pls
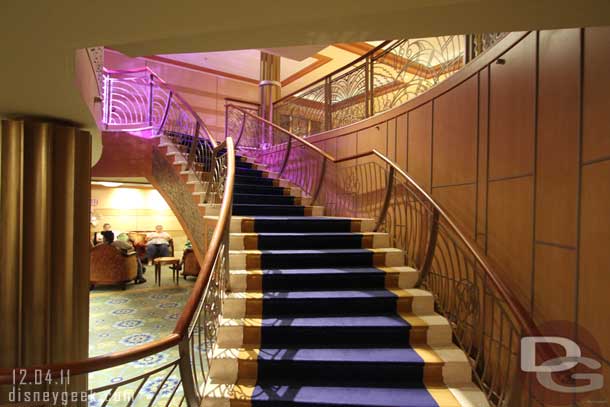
(122, 244)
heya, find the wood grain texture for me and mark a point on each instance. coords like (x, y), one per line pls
(596, 94)
(554, 284)
(558, 134)
(510, 232)
(512, 108)
(455, 135)
(419, 148)
(402, 136)
(594, 265)
(460, 201)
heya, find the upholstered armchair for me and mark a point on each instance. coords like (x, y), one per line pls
(190, 265)
(110, 267)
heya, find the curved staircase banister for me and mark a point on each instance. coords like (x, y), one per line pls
(525, 320)
(442, 252)
(220, 232)
(183, 329)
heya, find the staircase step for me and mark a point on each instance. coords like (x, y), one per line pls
(342, 366)
(336, 331)
(259, 189)
(264, 199)
(239, 163)
(328, 302)
(276, 210)
(249, 171)
(329, 240)
(299, 224)
(247, 393)
(256, 259)
(323, 278)
(252, 172)
(253, 180)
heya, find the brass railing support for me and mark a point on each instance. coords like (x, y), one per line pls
(166, 112)
(194, 146)
(431, 246)
(288, 148)
(386, 202)
(186, 373)
(241, 130)
(150, 100)
(315, 194)
(328, 105)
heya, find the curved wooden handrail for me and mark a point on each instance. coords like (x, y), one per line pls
(523, 318)
(170, 89)
(208, 261)
(180, 332)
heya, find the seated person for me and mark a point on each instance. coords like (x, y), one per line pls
(123, 245)
(105, 236)
(157, 244)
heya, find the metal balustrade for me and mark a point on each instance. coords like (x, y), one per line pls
(487, 319)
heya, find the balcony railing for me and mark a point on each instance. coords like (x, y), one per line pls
(387, 76)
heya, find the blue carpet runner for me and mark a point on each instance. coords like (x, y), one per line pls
(331, 332)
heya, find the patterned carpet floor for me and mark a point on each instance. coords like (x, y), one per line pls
(120, 319)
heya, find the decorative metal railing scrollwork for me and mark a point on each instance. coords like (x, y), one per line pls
(486, 318)
(387, 76)
(180, 381)
(139, 100)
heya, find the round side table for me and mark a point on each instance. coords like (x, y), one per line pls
(174, 264)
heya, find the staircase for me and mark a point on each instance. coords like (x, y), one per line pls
(322, 312)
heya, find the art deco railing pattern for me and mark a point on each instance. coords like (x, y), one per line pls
(140, 101)
(181, 380)
(486, 318)
(387, 76)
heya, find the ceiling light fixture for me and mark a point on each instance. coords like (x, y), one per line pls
(110, 184)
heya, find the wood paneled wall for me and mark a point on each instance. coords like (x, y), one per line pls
(517, 150)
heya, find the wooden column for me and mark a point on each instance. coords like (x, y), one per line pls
(270, 87)
(44, 255)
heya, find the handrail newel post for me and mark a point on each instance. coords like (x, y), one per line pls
(386, 202)
(186, 373)
(430, 247)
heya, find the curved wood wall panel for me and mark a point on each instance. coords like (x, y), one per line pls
(596, 97)
(419, 145)
(516, 147)
(455, 136)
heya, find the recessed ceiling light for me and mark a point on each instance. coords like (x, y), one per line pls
(110, 184)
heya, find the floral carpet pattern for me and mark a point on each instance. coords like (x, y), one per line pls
(122, 319)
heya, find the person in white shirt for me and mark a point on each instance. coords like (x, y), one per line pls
(157, 244)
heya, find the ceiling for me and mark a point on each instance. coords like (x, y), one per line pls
(37, 41)
(245, 63)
